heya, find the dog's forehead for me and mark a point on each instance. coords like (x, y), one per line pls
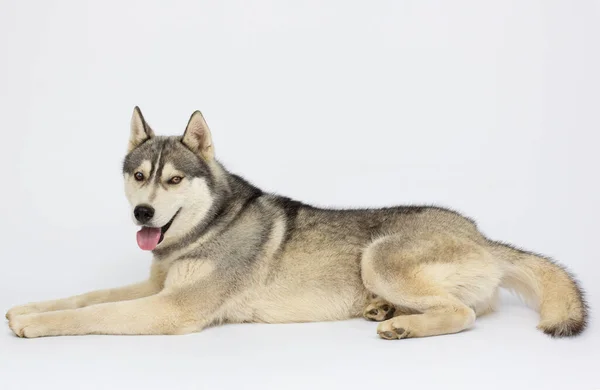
(182, 159)
(162, 150)
(148, 151)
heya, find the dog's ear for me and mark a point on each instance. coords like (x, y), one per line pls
(140, 131)
(197, 137)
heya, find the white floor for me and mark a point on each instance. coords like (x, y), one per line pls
(503, 351)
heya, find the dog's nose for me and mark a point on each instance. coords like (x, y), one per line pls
(143, 213)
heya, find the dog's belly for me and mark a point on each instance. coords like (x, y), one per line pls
(307, 306)
(297, 296)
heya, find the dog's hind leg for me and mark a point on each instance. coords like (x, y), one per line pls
(441, 277)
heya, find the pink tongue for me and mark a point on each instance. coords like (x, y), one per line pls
(147, 238)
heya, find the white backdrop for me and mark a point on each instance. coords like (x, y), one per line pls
(490, 108)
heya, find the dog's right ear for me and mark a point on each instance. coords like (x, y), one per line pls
(140, 131)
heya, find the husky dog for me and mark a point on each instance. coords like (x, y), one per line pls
(226, 252)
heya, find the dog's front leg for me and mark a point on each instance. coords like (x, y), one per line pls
(169, 312)
(138, 290)
(133, 291)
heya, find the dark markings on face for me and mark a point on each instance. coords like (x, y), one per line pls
(230, 202)
(172, 151)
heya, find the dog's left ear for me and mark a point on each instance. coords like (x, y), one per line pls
(197, 137)
(140, 131)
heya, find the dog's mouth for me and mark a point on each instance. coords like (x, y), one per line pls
(148, 237)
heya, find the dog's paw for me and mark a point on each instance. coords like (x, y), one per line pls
(394, 329)
(27, 326)
(29, 308)
(19, 324)
(379, 310)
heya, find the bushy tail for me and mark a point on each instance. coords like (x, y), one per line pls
(548, 287)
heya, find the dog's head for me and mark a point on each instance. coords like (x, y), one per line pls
(168, 180)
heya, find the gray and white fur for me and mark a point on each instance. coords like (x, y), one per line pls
(225, 251)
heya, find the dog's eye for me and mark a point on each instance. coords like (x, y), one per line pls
(139, 176)
(175, 180)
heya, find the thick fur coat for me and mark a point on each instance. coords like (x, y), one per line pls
(225, 251)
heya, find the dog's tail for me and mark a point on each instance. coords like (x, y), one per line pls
(548, 287)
